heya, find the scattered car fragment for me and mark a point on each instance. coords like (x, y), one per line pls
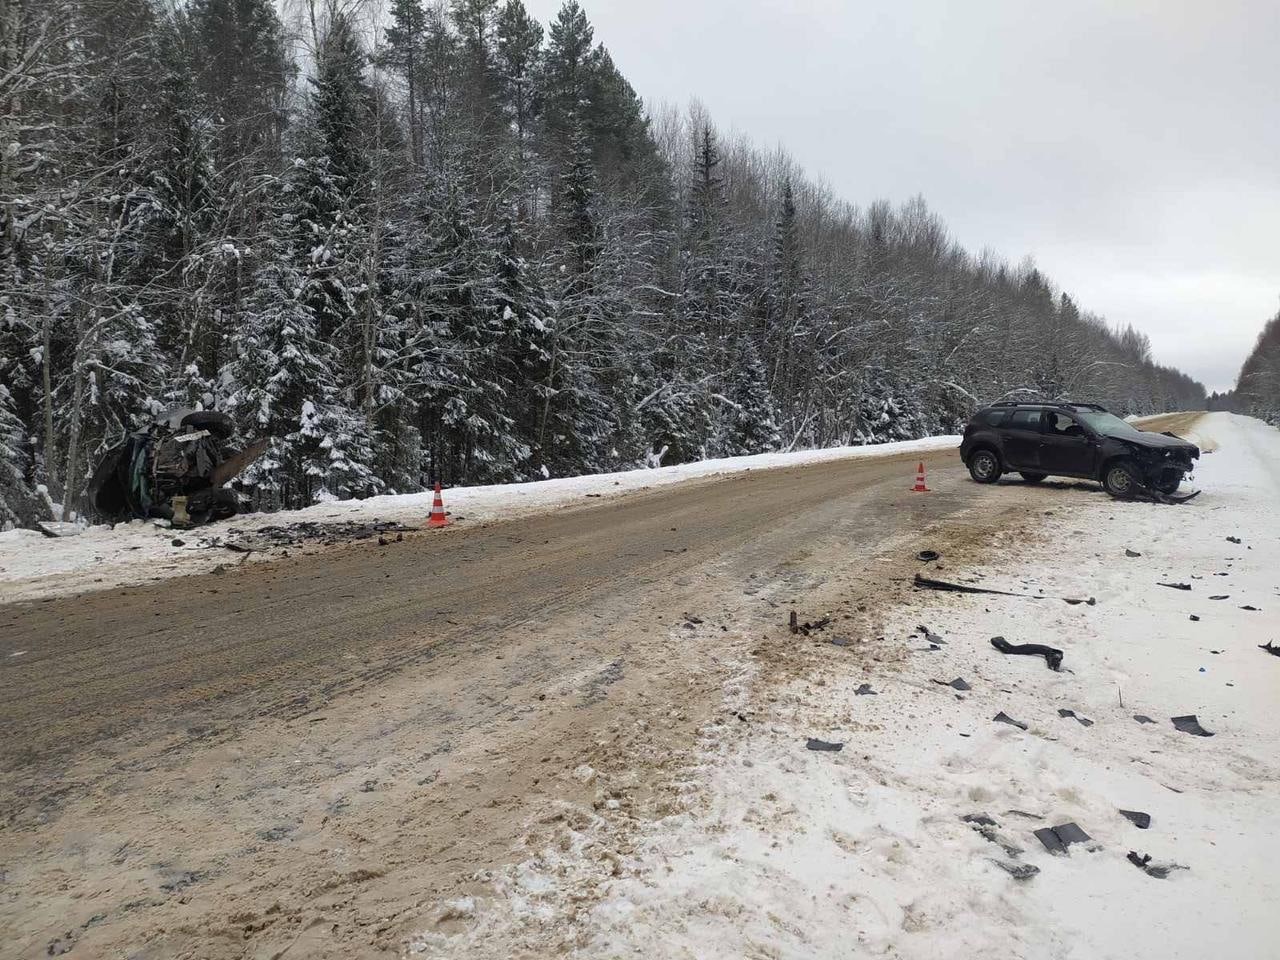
(1052, 655)
(1139, 819)
(1158, 870)
(1189, 724)
(1057, 839)
(823, 746)
(1019, 871)
(1003, 717)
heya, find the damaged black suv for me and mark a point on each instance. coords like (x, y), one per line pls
(1081, 440)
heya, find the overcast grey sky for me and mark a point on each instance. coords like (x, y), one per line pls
(1131, 146)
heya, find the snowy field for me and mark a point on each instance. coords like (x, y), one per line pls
(793, 853)
(33, 565)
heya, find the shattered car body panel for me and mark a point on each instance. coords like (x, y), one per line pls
(173, 469)
(1075, 440)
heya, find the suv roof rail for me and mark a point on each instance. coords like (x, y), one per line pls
(1084, 406)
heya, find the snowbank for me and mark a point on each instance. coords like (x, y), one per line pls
(32, 565)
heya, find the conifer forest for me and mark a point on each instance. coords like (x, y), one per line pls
(423, 240)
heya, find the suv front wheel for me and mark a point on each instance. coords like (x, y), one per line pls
(1121, 480)
(984, 466)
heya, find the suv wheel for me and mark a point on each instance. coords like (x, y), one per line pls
(984, 466)
(1033, 477)
(1121, 480)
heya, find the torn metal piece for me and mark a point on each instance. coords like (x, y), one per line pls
(925, 583)
(1221, 596)
(1019, 871)
(987, 827)
(1003, 717)
(1057, 839)
(1189, 724)
(1139, 819)
(929, 634)
(1142, 718)
(865, 691)
(1270, 647)
(1158, 870)
(1131, 553)
(1023, 813)
(957, 684)
(1052, 655)
(1175, 586)
(943, 585)
(1083, 721)
(824, 746)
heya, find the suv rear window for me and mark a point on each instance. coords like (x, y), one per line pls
(994, 418)
(1025, 420)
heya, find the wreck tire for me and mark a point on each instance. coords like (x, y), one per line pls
(984, 466)
(219, 424)
(1121, 479)
(1033, 477)
(210, 505)
(1169, 485)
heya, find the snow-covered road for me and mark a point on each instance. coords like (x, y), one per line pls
(784, 852)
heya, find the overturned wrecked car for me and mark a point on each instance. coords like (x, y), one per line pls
(176, 469)
(1079, 440)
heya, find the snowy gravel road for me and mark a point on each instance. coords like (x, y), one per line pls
(214, 766)
(358, 751)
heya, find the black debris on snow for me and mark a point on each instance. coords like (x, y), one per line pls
(824, 746)
(1057, 839)
(1189, 724)
(1137, 818)
(1052, 655)
(1003, 717)
(1083, 721)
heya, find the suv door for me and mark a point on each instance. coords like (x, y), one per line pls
(1022, 440)
(1067, 447)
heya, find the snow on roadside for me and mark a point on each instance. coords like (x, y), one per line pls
(802, 854)
(32, 565)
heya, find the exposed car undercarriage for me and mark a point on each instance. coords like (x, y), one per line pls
(174, 469)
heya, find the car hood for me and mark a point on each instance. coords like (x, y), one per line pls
(1161, 441)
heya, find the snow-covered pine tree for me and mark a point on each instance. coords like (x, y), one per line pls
(461, 381)
(20, 506)
(751, 425)
(402, 52)
(518, 64)
(284, 379)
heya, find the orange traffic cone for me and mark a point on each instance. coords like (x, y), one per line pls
(920, 487)
(437, 518)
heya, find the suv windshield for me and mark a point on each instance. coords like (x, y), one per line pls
(1107, 424)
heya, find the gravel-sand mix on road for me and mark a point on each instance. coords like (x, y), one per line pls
(299, 758)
